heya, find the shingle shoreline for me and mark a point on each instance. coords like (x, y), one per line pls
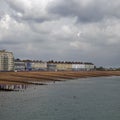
(44, 77)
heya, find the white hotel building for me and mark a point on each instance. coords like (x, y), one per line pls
(83, 66)
(6, 61)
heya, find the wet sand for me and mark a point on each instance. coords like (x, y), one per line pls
(40, 78)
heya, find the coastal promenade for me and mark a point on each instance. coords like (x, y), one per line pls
(40, 78)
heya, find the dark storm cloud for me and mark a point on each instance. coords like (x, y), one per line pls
(16, 6)
(9, 42)
(94, 11)
(25, 13)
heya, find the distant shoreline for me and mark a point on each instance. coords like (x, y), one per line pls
(41, 78)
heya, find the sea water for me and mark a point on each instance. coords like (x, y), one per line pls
(80, 99)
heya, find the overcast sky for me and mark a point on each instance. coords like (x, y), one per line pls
(71, 30)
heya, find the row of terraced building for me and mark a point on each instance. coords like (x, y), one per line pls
(28, 65)
(8, 63)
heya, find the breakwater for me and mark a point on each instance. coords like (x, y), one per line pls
(15, 87)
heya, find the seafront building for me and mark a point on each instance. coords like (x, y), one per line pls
(77, 66)
(39, 65)
(29, 65)
(89, 66)
(69, 66)
(19, 65)
(6, 61)
(59, 66)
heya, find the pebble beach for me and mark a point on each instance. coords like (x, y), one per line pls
(42, 78)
